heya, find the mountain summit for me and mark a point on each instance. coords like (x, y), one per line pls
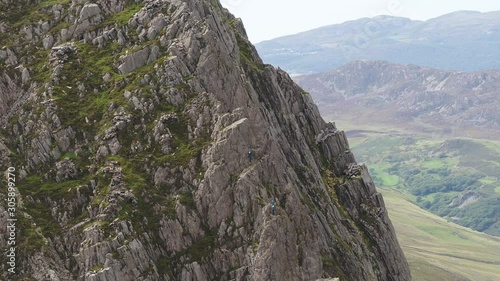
(148, 141)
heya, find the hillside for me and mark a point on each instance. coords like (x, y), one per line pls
(422, 130)
(438, 249)
(147, 141)
(457, 179)
(409, 97)
(465, 41)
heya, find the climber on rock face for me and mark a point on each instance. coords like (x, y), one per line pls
(273, 205)
(251, 155)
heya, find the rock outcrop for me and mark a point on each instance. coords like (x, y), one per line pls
(131, 139)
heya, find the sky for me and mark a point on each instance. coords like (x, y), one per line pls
(267, 19)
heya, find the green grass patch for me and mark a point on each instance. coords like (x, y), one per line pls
(388, 180)
(164, 266)
(70, 155)
(488, 180)
(433, 164)
(437, 173)
(168, 207)
(201, 248)
(184, 149)
(41, 215)
(101, 195)
(134, 177)
(96, 267)
(246, 54)
(48, 3)
(308, 202)
(186, 199)
(381, 177)
(430, 241)
(37, 186)
(491, 145)
(122, 18)
(62, 25)
(88, 65)
(39, 66)
(30, 239)
(328, 262)
(101, 60)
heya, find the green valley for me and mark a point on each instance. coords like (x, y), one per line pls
(454, 178)
(438, 249)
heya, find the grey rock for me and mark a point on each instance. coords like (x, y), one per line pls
(353, 170)
(102, 152)
(53, 276)
(65, 34)
(137, 103)
(121, 39)
(140, 58)
(127, 94)
(152, 32)
(106, 77)
(10, 57)
(4, 152)
(62, 52)
(66, 169)
(159, 22)
(114, 146)
(181, 198)
(48, 41)
(25, 75)
(3, 27)
(88, 11)
(90, 15)
(28, 31)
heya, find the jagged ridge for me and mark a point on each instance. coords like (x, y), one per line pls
(134, 120)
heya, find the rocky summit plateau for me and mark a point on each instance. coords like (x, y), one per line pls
(147, 140)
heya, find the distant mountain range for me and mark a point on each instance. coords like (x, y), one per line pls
(378, 92)
(465, 41)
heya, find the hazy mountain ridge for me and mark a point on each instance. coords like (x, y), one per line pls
(465, 40)
(405, 93)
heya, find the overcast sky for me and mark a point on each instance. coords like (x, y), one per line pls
(267, 19)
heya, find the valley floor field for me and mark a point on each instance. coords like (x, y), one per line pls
(438, 249)
(455, 177)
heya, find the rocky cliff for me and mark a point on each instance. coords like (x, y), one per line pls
(130, 123)
(409, 95)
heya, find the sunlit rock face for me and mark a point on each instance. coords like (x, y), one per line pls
(149, 140)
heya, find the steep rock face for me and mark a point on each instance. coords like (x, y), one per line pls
(130, 126)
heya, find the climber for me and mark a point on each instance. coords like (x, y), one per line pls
(273, 205)
(251, 155)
